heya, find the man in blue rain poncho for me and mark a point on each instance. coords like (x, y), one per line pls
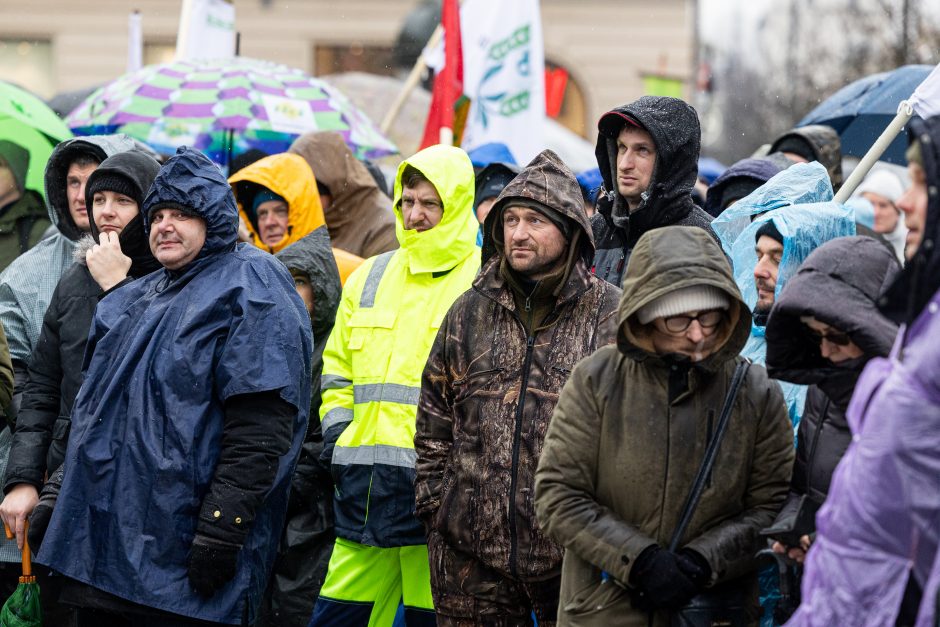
(768, 234)
(187, 428)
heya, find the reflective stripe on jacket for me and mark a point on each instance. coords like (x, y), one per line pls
(391, 309)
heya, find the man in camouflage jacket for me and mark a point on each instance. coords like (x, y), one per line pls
(503, 353)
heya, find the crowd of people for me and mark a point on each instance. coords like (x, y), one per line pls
(491, 394)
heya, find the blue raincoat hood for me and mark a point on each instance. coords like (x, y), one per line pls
(799, 202)
(164, 354)
(190, 180)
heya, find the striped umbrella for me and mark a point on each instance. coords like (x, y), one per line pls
(224, 107)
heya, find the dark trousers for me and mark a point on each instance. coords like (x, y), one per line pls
(468, 593)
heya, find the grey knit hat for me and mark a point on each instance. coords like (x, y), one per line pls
(692, 298)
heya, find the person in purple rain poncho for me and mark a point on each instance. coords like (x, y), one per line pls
(875, 559)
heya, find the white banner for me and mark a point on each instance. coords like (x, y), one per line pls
(207, 30)
(504, 75)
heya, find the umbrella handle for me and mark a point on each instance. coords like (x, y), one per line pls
(27, 556)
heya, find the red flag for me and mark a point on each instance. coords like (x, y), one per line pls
(448, 82)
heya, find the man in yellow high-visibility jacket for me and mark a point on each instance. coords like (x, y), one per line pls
(390, 311)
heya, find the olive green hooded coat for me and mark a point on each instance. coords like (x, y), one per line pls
(628, 436)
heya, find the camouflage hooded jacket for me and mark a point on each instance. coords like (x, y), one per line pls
(489, 389)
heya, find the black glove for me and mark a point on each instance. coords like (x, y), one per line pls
(694, 566)
(211, 564)
(659, 581)
(38, 523)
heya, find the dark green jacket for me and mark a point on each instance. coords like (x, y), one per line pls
(630, 431)
(22, 225)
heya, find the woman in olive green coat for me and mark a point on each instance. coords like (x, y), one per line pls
(628, 436)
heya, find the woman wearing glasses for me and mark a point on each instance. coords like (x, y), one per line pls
(823, 329)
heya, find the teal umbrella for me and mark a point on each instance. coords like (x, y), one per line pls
(28, 121)
(23, 609)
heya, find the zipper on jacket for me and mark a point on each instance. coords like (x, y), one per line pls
(517, 435)
(708, 439)
(811, 460)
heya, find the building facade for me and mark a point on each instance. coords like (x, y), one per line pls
(606, 46)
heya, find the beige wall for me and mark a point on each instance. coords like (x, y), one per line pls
(605, 44)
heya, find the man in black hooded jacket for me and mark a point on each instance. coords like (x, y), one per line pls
(647, 152)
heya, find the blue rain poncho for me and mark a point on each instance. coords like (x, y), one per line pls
(798, 200)
(164, 354)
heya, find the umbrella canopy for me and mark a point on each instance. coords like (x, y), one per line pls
(224, 107)
(28, 121)
(23, 608)
(860, 111)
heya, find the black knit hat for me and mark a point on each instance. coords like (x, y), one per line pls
(114, 182)
(770, 230)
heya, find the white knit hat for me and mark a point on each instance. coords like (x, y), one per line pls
(883, 183)
(692, 298)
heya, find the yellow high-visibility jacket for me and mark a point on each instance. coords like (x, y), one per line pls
(389, 314)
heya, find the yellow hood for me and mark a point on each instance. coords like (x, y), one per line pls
(450, 171)
(289, 176)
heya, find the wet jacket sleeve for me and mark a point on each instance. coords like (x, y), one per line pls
(6, 372)
(565, 485)
(729, 547)
(336, 382)
(14, 325)
(257, 434)
(434, 434)
(39, 406)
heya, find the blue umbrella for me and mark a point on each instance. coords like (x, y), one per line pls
(860, 111)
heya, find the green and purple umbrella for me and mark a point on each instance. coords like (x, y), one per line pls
(224, 107)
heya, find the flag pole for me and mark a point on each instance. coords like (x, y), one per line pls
(412, 81)
(905, 112)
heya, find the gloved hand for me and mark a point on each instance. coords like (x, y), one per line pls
(211, 564)
(694, 566)
(659, 581)
(38, 523)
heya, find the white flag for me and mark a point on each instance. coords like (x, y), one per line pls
(926, 98)
(504, 75)
(207, 30)
(135, 42)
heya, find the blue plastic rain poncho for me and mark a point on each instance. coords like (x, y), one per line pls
(164, 353)
(798, 200)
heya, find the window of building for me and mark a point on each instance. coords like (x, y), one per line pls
(159, 52)
(28, 63)
(353, 57)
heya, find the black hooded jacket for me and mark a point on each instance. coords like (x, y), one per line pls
(307, 541)
(55, 367)
(675, 129)
(838, 284)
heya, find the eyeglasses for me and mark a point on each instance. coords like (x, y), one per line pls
(706, 319)
(839, 339)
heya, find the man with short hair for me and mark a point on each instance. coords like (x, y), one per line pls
(23, 216)
(188, 424)
(647, 152)
(533, 312)
(628, 436)
(389, 314)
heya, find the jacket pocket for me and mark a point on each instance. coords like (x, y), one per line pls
(602, 596)
(371, 340)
